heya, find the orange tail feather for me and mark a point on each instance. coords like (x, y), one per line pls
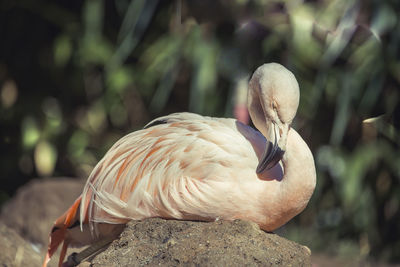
(59, 230)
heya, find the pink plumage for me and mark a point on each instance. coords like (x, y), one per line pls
(186, 166)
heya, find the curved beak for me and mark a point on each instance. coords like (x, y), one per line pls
(274, 149)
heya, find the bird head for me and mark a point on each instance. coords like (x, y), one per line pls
(273, 99)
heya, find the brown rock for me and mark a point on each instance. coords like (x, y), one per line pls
(156, 241)
(149, 242)
(35, 207)
(15, 251)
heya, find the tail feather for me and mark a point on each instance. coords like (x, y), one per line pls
(59, 230)
(63, 252)
(56, 238)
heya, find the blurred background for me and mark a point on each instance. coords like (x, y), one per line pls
(75, 76)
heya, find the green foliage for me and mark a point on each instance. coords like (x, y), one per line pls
(97, 70)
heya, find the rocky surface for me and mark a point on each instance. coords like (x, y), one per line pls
(150, 242)
(35, 207)
(15, 251)
(31, 214)
(156, 241)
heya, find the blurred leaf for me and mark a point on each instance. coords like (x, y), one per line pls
(331, 160)
(163, 91)
(94, 47)
(131, 18)
(52, 110)
(9, 94)
(342, 110)
(383, 127)
(119, 79)
(203, 55)
(97, 117)
(136, 20)
(62, 50)
(342, 35)
(162, 55)
(365, 56)
(364, 215)
(302, 20)
(118, 114)
(93, 17)
(45, 158)
(78, 143)
(95, 51)
(383, 20)
(329, 15)
(30, 132)
(371, 94)
(391, 102)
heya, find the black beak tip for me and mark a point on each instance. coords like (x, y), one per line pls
(270, 161)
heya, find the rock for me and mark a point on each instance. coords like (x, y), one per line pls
(15, 251)
(35, 207)
(156, 241)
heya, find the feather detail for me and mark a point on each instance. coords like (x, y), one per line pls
(147, 172)
(58, 232)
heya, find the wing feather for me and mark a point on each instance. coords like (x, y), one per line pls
(174, 117)
(170, 169)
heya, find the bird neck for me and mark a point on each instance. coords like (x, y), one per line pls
(299, 176)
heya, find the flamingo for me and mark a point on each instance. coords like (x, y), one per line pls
(190, 167)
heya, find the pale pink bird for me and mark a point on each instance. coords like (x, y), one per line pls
(189, 167)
